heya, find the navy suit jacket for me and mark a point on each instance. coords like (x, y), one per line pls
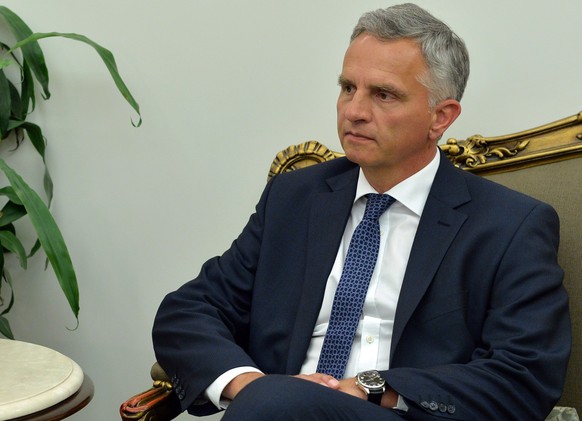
(481, 330)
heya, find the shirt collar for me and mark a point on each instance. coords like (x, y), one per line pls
(411, 192)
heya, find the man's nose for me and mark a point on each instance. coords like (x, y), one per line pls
(358, 108)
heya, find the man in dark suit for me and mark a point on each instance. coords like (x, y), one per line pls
(463, 316)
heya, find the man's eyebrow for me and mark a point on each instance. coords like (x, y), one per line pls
(342, 81)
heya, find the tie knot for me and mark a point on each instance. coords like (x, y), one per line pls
(377, 205)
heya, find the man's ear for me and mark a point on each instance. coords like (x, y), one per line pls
(445, 112)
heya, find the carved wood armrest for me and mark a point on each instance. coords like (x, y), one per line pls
(159, 403)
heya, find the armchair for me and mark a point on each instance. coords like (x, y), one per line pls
(544, 162)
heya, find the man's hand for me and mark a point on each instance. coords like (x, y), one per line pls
(322, 379)
(349, 386)
(242, 380)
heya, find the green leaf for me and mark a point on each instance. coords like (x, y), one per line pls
(10, 242)
(105, 54)
(34, 249)
(11, 212)
(49, 236)
(15, 102)
(5, 105)
(34, 134)
(38, 141)
(27, 90)
(26, 94)
(31, 51)
(4, 324)
(5, 328)
(8, 279)
(10, 194)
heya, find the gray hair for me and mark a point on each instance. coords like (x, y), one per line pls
(445, 54)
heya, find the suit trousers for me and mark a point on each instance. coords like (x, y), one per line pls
(286, 398)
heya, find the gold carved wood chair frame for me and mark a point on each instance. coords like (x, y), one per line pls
(482, 155)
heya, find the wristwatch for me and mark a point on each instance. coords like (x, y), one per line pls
(372, 384)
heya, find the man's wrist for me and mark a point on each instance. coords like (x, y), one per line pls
(214, 391)
(389, 398)
(237, 384)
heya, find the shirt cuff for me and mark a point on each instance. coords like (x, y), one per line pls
(214, 392)
(401, 404)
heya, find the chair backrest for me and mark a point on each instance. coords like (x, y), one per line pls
(544, 162)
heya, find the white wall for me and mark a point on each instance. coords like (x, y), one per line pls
(223, 86)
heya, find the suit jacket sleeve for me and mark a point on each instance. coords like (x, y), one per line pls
(256, 305)
(200, 330)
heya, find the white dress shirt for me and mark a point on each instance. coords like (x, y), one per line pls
(398, 225)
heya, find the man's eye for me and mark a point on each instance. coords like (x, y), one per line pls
(348, 89)
(384, 96)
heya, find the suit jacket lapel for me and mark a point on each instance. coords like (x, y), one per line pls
(328, 217)
(438, 226)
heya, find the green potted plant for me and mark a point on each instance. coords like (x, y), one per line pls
(18, 94)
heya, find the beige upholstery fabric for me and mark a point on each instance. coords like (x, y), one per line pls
(560, 184)
(560, 413)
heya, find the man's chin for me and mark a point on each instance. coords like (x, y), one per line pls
(362, 158)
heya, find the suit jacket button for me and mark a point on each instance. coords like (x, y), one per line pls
(433, 406)
(451, 409)
(442, 407)
(424, 404)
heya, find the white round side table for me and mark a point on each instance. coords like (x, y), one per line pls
(40, 384)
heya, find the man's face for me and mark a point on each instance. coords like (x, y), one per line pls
(385, 123)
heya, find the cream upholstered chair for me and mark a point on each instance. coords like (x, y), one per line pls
(544, 162)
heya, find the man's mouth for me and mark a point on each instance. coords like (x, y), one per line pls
(357, 136)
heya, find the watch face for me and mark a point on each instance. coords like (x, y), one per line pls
(371, 378)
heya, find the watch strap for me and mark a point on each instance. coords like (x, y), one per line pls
(375, 397)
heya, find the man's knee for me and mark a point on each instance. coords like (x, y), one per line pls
(276, 397)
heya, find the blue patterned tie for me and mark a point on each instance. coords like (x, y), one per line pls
(352, 288)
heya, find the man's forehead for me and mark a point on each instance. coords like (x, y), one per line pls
(372, 55)
(366, 43)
